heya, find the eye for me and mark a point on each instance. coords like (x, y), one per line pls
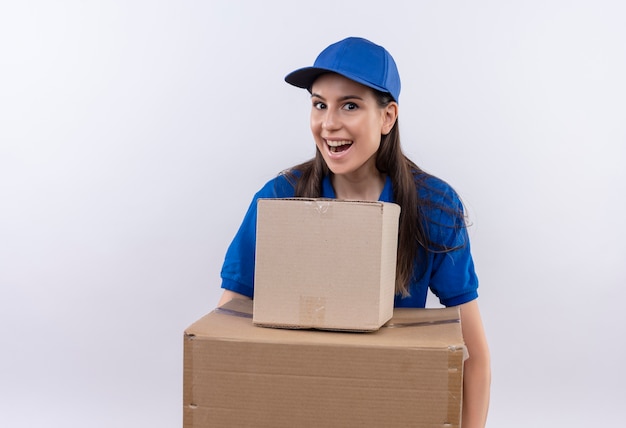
(350, 106)
(319, 105)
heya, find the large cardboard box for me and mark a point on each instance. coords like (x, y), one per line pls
(409, 373)
(325, 263)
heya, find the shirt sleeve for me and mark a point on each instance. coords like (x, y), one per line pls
(238, 269)
(452, 275)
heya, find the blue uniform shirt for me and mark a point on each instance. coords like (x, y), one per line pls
(450, 275)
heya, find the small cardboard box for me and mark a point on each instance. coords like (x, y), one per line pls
(409, 373)
(325, 263)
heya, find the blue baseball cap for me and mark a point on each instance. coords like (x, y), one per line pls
(357, 59)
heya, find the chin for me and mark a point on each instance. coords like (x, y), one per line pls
(339, 170)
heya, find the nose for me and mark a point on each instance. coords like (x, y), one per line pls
(330, 121)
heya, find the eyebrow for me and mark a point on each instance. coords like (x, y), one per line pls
(344, 98)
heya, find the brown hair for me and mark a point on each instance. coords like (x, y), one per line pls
(407, 179)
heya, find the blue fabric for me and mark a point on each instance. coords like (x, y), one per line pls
(450, 275)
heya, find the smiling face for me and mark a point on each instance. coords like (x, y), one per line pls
(347, 123)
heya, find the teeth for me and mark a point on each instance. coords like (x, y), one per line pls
(338, 143)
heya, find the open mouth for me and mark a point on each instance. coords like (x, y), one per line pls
(338, 146)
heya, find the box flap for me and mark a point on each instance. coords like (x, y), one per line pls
(425, 328)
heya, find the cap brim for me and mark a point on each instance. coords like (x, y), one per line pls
(304, 78)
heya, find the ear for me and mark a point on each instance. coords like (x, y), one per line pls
(389, 115)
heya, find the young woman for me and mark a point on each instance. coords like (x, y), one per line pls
(355, 88)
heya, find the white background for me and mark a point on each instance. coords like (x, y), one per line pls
(134, 133)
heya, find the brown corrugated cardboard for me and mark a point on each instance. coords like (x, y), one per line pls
(409, 373)
(324, 263)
